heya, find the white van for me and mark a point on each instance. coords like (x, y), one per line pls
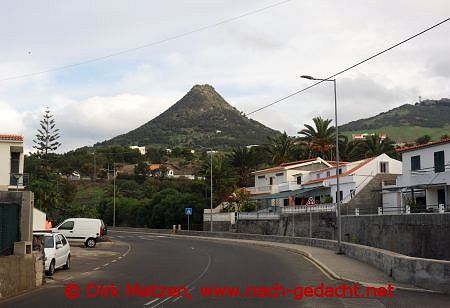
(86, 230)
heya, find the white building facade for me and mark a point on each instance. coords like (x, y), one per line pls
(316, 179)
(11, 163)
(425, 180)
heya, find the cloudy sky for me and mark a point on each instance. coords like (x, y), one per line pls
(251, 61)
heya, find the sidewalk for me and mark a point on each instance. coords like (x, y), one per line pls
(339, 267)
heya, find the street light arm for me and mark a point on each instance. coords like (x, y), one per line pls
(313, 78)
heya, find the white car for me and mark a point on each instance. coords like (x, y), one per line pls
(85, 230)
(57, 251)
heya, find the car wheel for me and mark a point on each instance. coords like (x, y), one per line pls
(67, 265)
(90, 242)
(51, 269)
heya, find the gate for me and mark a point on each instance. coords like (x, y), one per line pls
(9, 227)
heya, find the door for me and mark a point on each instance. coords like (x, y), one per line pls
(9, 227)
(67, 228)
(441, 196)
(59, 251)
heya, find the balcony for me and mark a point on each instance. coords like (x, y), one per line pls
(288, 186)
(18, 180)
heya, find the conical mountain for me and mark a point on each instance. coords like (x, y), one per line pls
(201, 119)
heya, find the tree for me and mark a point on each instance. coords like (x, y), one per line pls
(321, 138)
(423, 139)
(373, 146)
(281, 148)
(242, 160)
(348, 149)
(47, 137)
(444, 137)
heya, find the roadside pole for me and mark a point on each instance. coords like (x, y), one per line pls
(309, 205)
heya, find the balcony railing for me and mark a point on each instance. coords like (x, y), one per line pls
(19, 179)
(317, 208)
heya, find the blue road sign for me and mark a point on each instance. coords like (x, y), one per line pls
(188, 211)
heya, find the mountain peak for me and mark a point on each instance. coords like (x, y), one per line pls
(193, 122)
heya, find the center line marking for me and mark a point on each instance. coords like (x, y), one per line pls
(151, 302)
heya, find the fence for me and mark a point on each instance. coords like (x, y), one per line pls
(258, 216)
(318, 208)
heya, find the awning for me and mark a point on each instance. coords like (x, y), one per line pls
(285, 194)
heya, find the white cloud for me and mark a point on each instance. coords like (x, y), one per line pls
(252, 61)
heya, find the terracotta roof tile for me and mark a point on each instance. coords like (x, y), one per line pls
(420, 146)
(11, 137)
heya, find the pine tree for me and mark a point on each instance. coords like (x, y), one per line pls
(47, 137)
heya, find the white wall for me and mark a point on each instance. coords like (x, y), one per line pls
(5, 162)
(427, 176)
(38, 219)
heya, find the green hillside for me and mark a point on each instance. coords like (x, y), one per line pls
(202, 118)
(407, 122)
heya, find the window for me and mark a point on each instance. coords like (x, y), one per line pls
(352, 193)
(48, 242)
(15, 159)
(439, 165)
(64, 241)
(328, 174)
(340, 170)
(299, 180)
(261, 177)
(279, 174)
(271, 181)
(68, 225)
(415, 163)
(285, 202)
(318, 176)
(340, 195)
(384, 167)
(58, 240)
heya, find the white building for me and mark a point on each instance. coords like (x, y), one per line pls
(140, 149)
(316, 178)
(11, 163)
(425, 178)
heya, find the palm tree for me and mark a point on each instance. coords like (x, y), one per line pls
(348, 149)
(242, 160)
(281, 148)
(373, 146)
(321, 138)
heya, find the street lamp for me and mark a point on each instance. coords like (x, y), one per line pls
(338, 195)
(211, 196)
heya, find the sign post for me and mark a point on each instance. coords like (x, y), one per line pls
(188, 212)
(309, 204)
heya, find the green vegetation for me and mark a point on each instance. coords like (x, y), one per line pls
(407, 122)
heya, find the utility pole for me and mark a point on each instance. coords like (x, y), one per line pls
(114, 198)
(211, 201)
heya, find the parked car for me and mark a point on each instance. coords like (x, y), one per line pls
(57, 251)
(86, 230)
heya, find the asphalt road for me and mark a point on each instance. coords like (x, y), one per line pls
(189, 265)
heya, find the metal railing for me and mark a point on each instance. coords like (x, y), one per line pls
(19, 179)
(257, 216)
(317, 208)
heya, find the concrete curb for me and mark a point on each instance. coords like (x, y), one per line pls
(320, 265)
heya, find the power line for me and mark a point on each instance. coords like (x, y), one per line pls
(348, 68)
(159, 42)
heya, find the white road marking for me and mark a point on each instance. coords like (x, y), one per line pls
(114, 261)
(176, 299)
(105, 264)
(96, 269)
(70, 277)
(151, 302)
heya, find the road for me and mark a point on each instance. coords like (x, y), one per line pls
(192, 264)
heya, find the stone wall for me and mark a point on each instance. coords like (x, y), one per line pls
(424, 235)
(20, 273)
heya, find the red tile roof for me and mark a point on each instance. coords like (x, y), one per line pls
(420, 146)
(11, 137)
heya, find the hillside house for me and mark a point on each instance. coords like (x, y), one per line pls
(425, 180)
(316, 178)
